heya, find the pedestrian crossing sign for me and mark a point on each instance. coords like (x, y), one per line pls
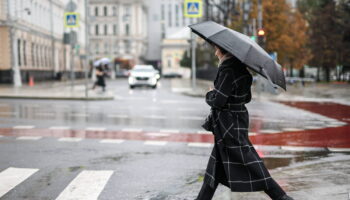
(193, 8)
(71, 19)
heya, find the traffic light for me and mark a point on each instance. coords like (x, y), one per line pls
(261, 37)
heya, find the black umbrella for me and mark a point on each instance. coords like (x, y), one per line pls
(242, 47)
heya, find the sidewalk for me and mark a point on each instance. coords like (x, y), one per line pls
(335, 92)
(56, 91)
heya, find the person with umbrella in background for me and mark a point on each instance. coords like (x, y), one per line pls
(234, 161)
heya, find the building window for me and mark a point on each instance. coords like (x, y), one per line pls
(33, 56)
(116, 47)
(24, 53)
(97, 48)
(105, 13)
(127, 46)
(169, 17)
(106, 29)
(106, 47)
(127, 29)
(96, 29)
(176, 15)
(19, 52)
(114, 11)
(38, 64)
(163, 13)
(96, 11)
(115, 29)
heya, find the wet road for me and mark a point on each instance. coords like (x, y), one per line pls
(148, 144)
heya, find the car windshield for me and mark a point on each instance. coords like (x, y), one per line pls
(143, 70)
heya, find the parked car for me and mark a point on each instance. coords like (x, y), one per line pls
(143, 75)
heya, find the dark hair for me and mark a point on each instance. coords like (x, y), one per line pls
(223, 51)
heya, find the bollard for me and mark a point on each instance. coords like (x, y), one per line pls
(31, 81)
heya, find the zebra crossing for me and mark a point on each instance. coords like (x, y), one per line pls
(87, 185)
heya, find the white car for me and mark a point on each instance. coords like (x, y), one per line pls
(143, 75)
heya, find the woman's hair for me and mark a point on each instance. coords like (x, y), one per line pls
(223, 51)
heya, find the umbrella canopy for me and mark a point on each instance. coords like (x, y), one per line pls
(242, 47)
(103, 61)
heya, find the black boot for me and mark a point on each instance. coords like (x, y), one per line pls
(285, 197)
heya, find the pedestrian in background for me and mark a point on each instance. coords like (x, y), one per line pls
(100, 78)
(234, 161)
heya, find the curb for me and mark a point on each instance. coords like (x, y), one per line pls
(57, 98)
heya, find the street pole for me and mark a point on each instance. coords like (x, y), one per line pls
(52, 39)
(87, 49)
(193, 36)
(16, 73)
(260, 15)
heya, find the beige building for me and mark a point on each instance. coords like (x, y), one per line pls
(118, 30)
(31, 35)
(173, 48)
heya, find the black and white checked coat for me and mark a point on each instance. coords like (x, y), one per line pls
(233, 161)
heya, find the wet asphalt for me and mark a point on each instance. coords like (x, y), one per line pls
(169, 171)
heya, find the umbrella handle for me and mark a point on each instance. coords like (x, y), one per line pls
(268, 78)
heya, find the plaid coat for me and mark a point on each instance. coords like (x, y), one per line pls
(233, 161)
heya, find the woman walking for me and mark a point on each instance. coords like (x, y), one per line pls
(234, 162)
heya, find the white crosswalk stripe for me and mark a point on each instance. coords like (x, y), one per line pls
(112, 141)
(11, 177)
(198, 144)
(29, 138)
(59, 128)
(87, 185)
(95, 129)
(156, 143)
(23, 127)
(69, 139)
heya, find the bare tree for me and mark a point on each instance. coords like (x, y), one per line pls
(221, 11)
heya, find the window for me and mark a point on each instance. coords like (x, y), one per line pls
(33, 56)
(127, 46)
(127, 29)
(96, 29)
(24, 53)
(116, 47)
(176, 15)
(163, 13)
(106, 29)
(96, 11)
(37, 55)
(97, 48)
(115, 29)
(105, 13)
(169, 17)
(106, 47)
(114, 11)
(19, 52)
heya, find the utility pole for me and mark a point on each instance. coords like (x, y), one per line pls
(87, 47)
(53, 60)
(193, 36)
(260, 15)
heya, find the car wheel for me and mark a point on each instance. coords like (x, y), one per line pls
(132, 87)
(154, 86)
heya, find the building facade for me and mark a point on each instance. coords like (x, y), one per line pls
(166, 17)
(118, 30)
(31, 34)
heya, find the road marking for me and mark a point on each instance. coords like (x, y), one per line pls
(313, 127)
(95, 129)
(333, 125)
(297, 148)
(192, 118)
(169, 131)
(11, 177)
(338, 149)
(252, 133)
(112, 141)
(29, 138)
(87, 185)
(198, 144)
(155, 143)
(23, 127)
(269, 131)
(132, 130)
(59, 128)
(339, 123)
(117, 116)
(154, 116)
(69, 139)
(204, 132)
(292, 129)
(157, 134)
